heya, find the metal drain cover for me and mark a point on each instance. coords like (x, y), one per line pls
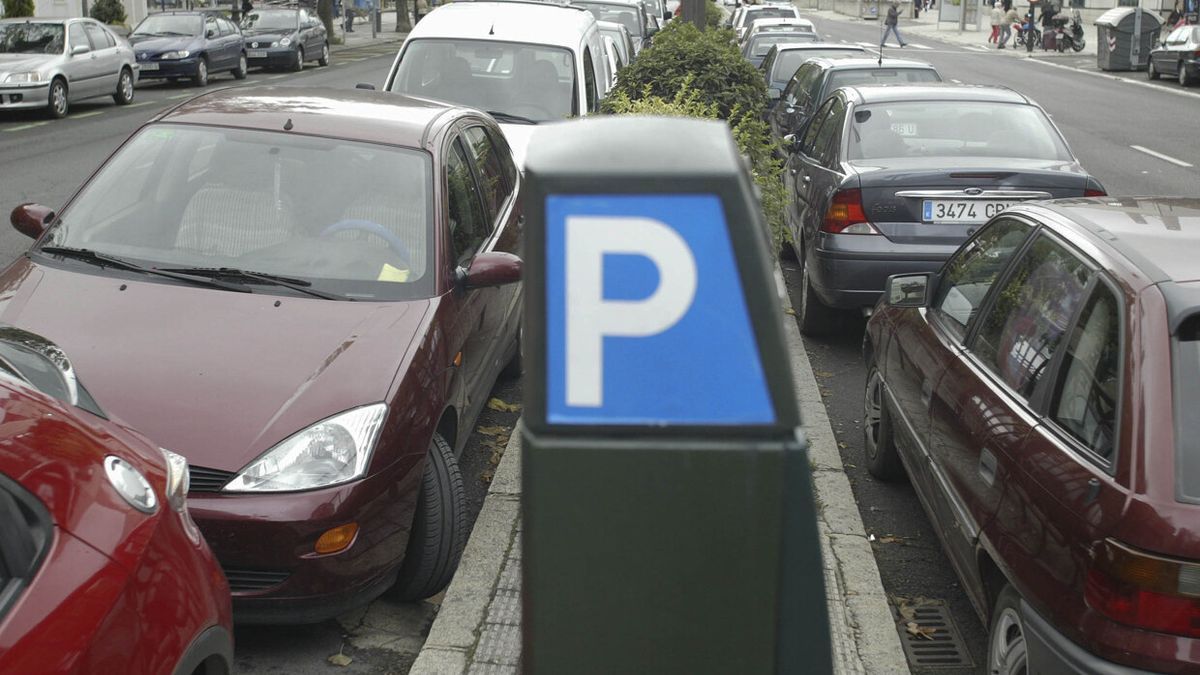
(943, 648)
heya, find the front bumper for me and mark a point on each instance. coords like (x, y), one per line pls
(172, 68)
(277, 57)
(14, 97)
(849, 271)
(1052, 652)
(265, 543)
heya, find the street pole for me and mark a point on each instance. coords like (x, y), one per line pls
(694, 11)
(1135, 47)
(374, 17)
(962, 14)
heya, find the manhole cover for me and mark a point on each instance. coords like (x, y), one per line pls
(937, 643)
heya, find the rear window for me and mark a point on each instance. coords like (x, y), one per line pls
(770, 13)
(853, 78)
(1187, 411)
(789, 61)
(761, 44)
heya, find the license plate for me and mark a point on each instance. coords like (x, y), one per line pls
(960, 210)
(256, 54)
(149, 66)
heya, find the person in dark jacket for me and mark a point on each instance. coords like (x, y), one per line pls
(893, 18)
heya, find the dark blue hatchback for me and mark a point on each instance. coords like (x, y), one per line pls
(188, 45)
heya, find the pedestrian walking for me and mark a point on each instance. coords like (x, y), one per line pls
(1006, 25)
(247, 7)
(997, 19)
(893, 18)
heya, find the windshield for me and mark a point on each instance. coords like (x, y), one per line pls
(531, 81)
(874, 75)
(276, 19)
(31, 38)
(626, 15)
(787, 63)
(351, 218)
(1186, 359)
(954, 129)
(169, 24)
(761, 43)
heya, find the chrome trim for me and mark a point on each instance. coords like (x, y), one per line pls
(972, 194)
(47, 350)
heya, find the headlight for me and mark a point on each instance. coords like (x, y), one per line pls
(285, 42)
(329, 452)
(130, 484)
(19, 78)
(181, 54)
(178, 479)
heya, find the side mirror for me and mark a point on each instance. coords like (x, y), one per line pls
(790, 142)
(31, 219)
(80, 49)
(774, 93)
(365, 85)
(491, 269)
(210, 33)
(666, 15)
(907, 290)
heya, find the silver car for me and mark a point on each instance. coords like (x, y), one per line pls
(51, 63)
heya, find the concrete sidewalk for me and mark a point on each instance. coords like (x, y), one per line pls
(478, 628)
(361, 35)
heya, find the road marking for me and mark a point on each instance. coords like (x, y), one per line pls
(1165, 158)
(276, 77)
(1166, 89)
(140, 103)
(956, 81)
(865, 44)
(250, 82)
(176, 97)
(917, 46)
(88, 114)
(28, 126)
(342, 63)
(976, 48)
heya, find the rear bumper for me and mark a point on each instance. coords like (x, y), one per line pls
(848, 271)
(20, 98)
(179, 68)
(1052, 652)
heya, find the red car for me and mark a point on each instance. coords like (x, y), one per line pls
(101, 568)
(308, 294)
(1040, 393)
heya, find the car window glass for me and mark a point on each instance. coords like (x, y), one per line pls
(1085, 404)
(96, 36)
(210, 26)
(490, 172)
(967, 276)
(467, 222)
(809, 146)
(851, 78)
(830, 133)
(77, 37)
(1027, 322)
(589, 81)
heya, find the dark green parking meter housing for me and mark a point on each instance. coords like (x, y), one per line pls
(669, 522)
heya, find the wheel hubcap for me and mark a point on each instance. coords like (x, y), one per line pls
(126, 85)
(60, 99)
(203, 71)
(872, 413)
(1008, 645)
(242, 64)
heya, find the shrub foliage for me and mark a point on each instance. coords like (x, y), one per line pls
(15, 9)
(108, 11)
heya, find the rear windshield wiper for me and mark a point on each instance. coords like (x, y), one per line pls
(104, 260)
(509, 117)
(298, 285)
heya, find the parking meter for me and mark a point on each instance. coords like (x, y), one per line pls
(669, 522)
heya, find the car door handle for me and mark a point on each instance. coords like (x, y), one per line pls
(987, 466)
(806, 180)
(521, 222)
(926, 393)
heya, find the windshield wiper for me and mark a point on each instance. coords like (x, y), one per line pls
(509, 117)
(176, 34)
(298, 285)
(104, 260)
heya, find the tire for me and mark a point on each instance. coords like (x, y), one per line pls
(1151, 71)
(1078, 45)
(815, 318)
(439, 529)
(124, 93)
(58, 104)
(299, 64)
(879, 444)
(516, 365)
(200, 79)
(324, 60)
(1007, 647)
(1184, 80)
(239, 73)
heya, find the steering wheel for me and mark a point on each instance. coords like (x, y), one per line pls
(394, 242)
(539, 113)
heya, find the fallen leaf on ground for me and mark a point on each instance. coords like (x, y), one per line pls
(485, 477)
(822, 373)
(920, 631)
(890, 539)
(789, 310)
(503, 406)
(340, 659)
(494, 431)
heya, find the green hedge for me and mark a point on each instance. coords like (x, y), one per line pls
(108, 11)
(15, 9)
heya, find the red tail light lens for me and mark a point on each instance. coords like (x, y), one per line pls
(1094, 193)
(846, 214)
(1144, 590)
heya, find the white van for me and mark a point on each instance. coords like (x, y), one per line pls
(523, 62)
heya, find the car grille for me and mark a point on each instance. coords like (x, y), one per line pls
(208, 480)
(26, 531)
(248, 581)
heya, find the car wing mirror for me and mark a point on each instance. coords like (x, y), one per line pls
(31, 220)
(907, 290)
(80, 49)
(774, 94)
(210, 33)
(790, 142)
(490, 269)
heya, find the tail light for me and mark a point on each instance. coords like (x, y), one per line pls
(1144, 590)
(1092, 192)
(846, 214)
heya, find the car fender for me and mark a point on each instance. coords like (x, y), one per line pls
(213, 648)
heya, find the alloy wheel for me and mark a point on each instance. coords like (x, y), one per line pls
(873, 413)
(125, 87)
(202, 73)
(58, 99)
(1009, 650)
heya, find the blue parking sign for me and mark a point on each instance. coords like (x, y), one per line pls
(646, 320)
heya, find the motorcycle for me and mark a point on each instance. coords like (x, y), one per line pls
(1069, 32)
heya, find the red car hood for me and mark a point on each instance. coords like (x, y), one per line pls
(216, 376)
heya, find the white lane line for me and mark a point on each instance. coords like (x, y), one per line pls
(865, 44)
(88, 114)
(1165, 158)
(276, 77)
(917, 46)
(139, 103)
(975, 48)
(250, 82)
(342, 63)
(28, 126)
(956, 81)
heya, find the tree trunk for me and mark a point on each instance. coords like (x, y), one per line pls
(325, 13)
(403, 17)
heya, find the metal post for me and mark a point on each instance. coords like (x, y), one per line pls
(962, 14)
(1135, 47)
(375, 17)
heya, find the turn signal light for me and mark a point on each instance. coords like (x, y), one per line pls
(1145, 590)
(337, 539)
(846, 214)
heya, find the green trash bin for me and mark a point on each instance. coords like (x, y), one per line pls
(1116, 46)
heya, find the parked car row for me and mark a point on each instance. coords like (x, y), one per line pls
(1177, 56)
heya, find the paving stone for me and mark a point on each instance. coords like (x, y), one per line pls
(499, 644)
(505, 608)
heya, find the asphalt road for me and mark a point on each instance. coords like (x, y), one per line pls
(1101, 118)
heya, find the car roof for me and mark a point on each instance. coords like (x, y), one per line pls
(30, 19)
(781, 21)
(351, 114)
(868, 62)
(526, 22)
(884, 93)
(802, 46)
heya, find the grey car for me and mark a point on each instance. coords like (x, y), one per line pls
(758, 45)
(783, 60)
(893, 179)
(52, 63)
(1178, 56)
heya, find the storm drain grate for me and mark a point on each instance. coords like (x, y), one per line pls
(939, 644)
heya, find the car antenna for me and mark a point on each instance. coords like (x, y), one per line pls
(492, 30)
(287, 126)
(882, 37)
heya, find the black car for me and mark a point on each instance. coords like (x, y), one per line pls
(817, 78)
(191, 45)
(783, 60)
(284, 37)
(756, 47)
(1178, 56)
(893, 179)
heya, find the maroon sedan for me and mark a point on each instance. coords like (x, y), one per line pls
(308, 294)
(101, 568)
(1041, 391)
